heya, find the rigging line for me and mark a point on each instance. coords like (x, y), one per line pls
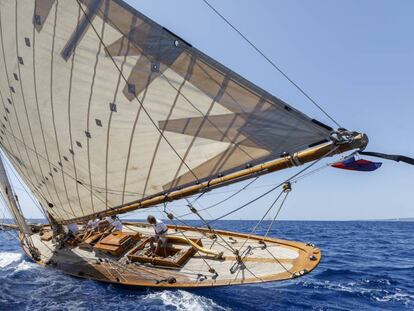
(312, 172)
(183, 234)
(276, 215)
(271, 62)
(27, 237)
(31, 183)
(50, 163)
(217, 97)
(230, 248)
(224, 200)
(224, 133)
(246, 204)
(136, 97)
(170, 113)
(257, 225)
(11, 213)
(274, 188)
(279, 262)
(189, 101)
(182, 271)
(261, 220)
(210, 228)
(9, 156)
(132, 136)
(3, 212)
(37, 204)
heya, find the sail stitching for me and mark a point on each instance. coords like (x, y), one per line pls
(88, 140)
(14, 108)
(70, 118)
(133, 24)
(141, 104)
(55, 167)
(52, 103)
(41, 122)
(22, 92)
(131, 138)
(189, 72)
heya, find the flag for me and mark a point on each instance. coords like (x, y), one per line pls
(357, 165)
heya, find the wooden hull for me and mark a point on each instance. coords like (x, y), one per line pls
(261, 260)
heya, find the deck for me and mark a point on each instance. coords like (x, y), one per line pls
(259, 260)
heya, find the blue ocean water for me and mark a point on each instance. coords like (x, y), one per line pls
(366, 266)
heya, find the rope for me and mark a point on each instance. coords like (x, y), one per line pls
(277, 186)
(198, 252)
(257, 225)
(276, 215)
(11, 169)
(210, 228)
(3, 212)
(271, 62)
(136, 97)
(224, 200)
(261, 220)
(230, 248)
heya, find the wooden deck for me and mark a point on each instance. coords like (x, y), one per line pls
(273, 260)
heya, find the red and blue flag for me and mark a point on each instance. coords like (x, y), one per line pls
(357, 165)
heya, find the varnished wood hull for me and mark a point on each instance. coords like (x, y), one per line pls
(279, 260)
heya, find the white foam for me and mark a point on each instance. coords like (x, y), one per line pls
(7, 259)
(400, 296)
(24, 265)
(182, 300)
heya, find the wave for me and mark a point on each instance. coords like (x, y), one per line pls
(183, 300)
(364, 277)
(6, 259)
(12, 263)
(379, 290)
(398, 296)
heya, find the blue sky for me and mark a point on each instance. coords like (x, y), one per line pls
(355, 58)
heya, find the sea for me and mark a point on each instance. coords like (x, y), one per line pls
(365, 266)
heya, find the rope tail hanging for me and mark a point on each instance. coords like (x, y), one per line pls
(392, 157)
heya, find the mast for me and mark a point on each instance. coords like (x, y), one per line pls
(342, 141)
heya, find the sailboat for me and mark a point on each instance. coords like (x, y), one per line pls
(105, 112)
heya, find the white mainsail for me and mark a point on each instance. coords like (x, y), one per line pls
(102, 106)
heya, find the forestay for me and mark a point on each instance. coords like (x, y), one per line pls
(101, 106)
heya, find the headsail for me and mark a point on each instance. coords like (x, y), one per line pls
(9, 198)
(102, 106)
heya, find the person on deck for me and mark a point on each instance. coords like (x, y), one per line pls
(114, 222)
(110, 222)
(73, 229)
(92, 224)
(160, 230)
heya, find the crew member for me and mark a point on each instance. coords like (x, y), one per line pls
(92, 224)
(73, 229)
(160, 230)
(114, 222)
